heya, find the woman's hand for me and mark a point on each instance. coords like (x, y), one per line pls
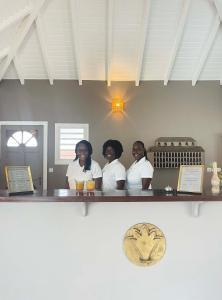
(120, 184)
(98, 183)
(146, 183)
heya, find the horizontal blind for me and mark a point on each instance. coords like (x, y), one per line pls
(68, 138)
(67, 135)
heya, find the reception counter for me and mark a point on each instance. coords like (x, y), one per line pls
(65, 195)
(48, 250)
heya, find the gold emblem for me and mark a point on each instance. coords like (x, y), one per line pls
(144, 244)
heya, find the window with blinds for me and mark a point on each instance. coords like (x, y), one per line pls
(66, 138)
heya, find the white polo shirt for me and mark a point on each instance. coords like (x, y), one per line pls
(113, 172)
(137, 171)
(75, 172)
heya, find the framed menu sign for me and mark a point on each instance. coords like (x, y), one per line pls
(19, 180)
(191, 179)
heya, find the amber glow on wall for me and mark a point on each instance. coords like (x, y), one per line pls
(117, 105)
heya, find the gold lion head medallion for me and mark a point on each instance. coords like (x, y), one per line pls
(144, 244)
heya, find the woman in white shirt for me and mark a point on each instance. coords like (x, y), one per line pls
(140, 174)
(114, 173)
(83, 167)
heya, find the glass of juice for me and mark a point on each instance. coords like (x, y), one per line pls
(79, 185)
(90, 185)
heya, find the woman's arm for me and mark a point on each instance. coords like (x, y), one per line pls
(146, 183)
(120, 184)
(98, 183)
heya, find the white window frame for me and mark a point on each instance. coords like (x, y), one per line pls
(58, 126)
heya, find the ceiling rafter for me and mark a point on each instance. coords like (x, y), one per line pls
(25, 27)
(178, 38)
(109, 41)
(43, 46)
(218, 5)
(74, 4)
(4, 52)
(18, 70)
(16, 17)
(206, 49)
(142, 39)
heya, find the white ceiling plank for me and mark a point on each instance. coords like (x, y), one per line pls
(74, 5)
(18, 70)
(16, 17)
(218, 4)
(4, 52)
(43, 46)
(109, 41)
(206, 50)
(178, 38)
(142, 39)
(24, 29)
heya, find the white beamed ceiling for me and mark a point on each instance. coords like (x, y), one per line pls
(81, 45)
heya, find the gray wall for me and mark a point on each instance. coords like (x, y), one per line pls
(152, 110)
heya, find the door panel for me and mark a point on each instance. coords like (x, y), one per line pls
(22, 155)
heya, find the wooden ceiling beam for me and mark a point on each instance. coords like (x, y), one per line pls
(142, 39)
(18, 69)
(177, 40)
(24, 29)
(206, 49)
(43, 46)
(218, 4)
(74, 8)
(4, 52)
(16, 17)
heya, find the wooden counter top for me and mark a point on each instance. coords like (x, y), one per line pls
(63, 195)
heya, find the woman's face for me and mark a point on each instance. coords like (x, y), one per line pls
(137, 151)
(82, 152)
(110, 154)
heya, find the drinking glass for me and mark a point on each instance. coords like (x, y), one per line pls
(79, 185)
(90, 185)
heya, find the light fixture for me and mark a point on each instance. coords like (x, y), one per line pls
(117, 105)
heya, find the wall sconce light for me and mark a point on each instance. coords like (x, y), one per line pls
(117, 105)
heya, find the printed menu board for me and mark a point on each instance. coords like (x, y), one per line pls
(19, 180)
(191, 179)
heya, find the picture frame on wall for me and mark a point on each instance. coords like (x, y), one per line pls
(190, 179)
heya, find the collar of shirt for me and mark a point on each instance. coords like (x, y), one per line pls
(112, 163)
(77, 161)
(140, 161)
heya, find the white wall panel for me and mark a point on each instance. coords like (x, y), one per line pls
(49, 251)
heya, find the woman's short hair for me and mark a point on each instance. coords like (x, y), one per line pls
(116, 145)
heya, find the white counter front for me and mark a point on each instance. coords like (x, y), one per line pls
(49, 251)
